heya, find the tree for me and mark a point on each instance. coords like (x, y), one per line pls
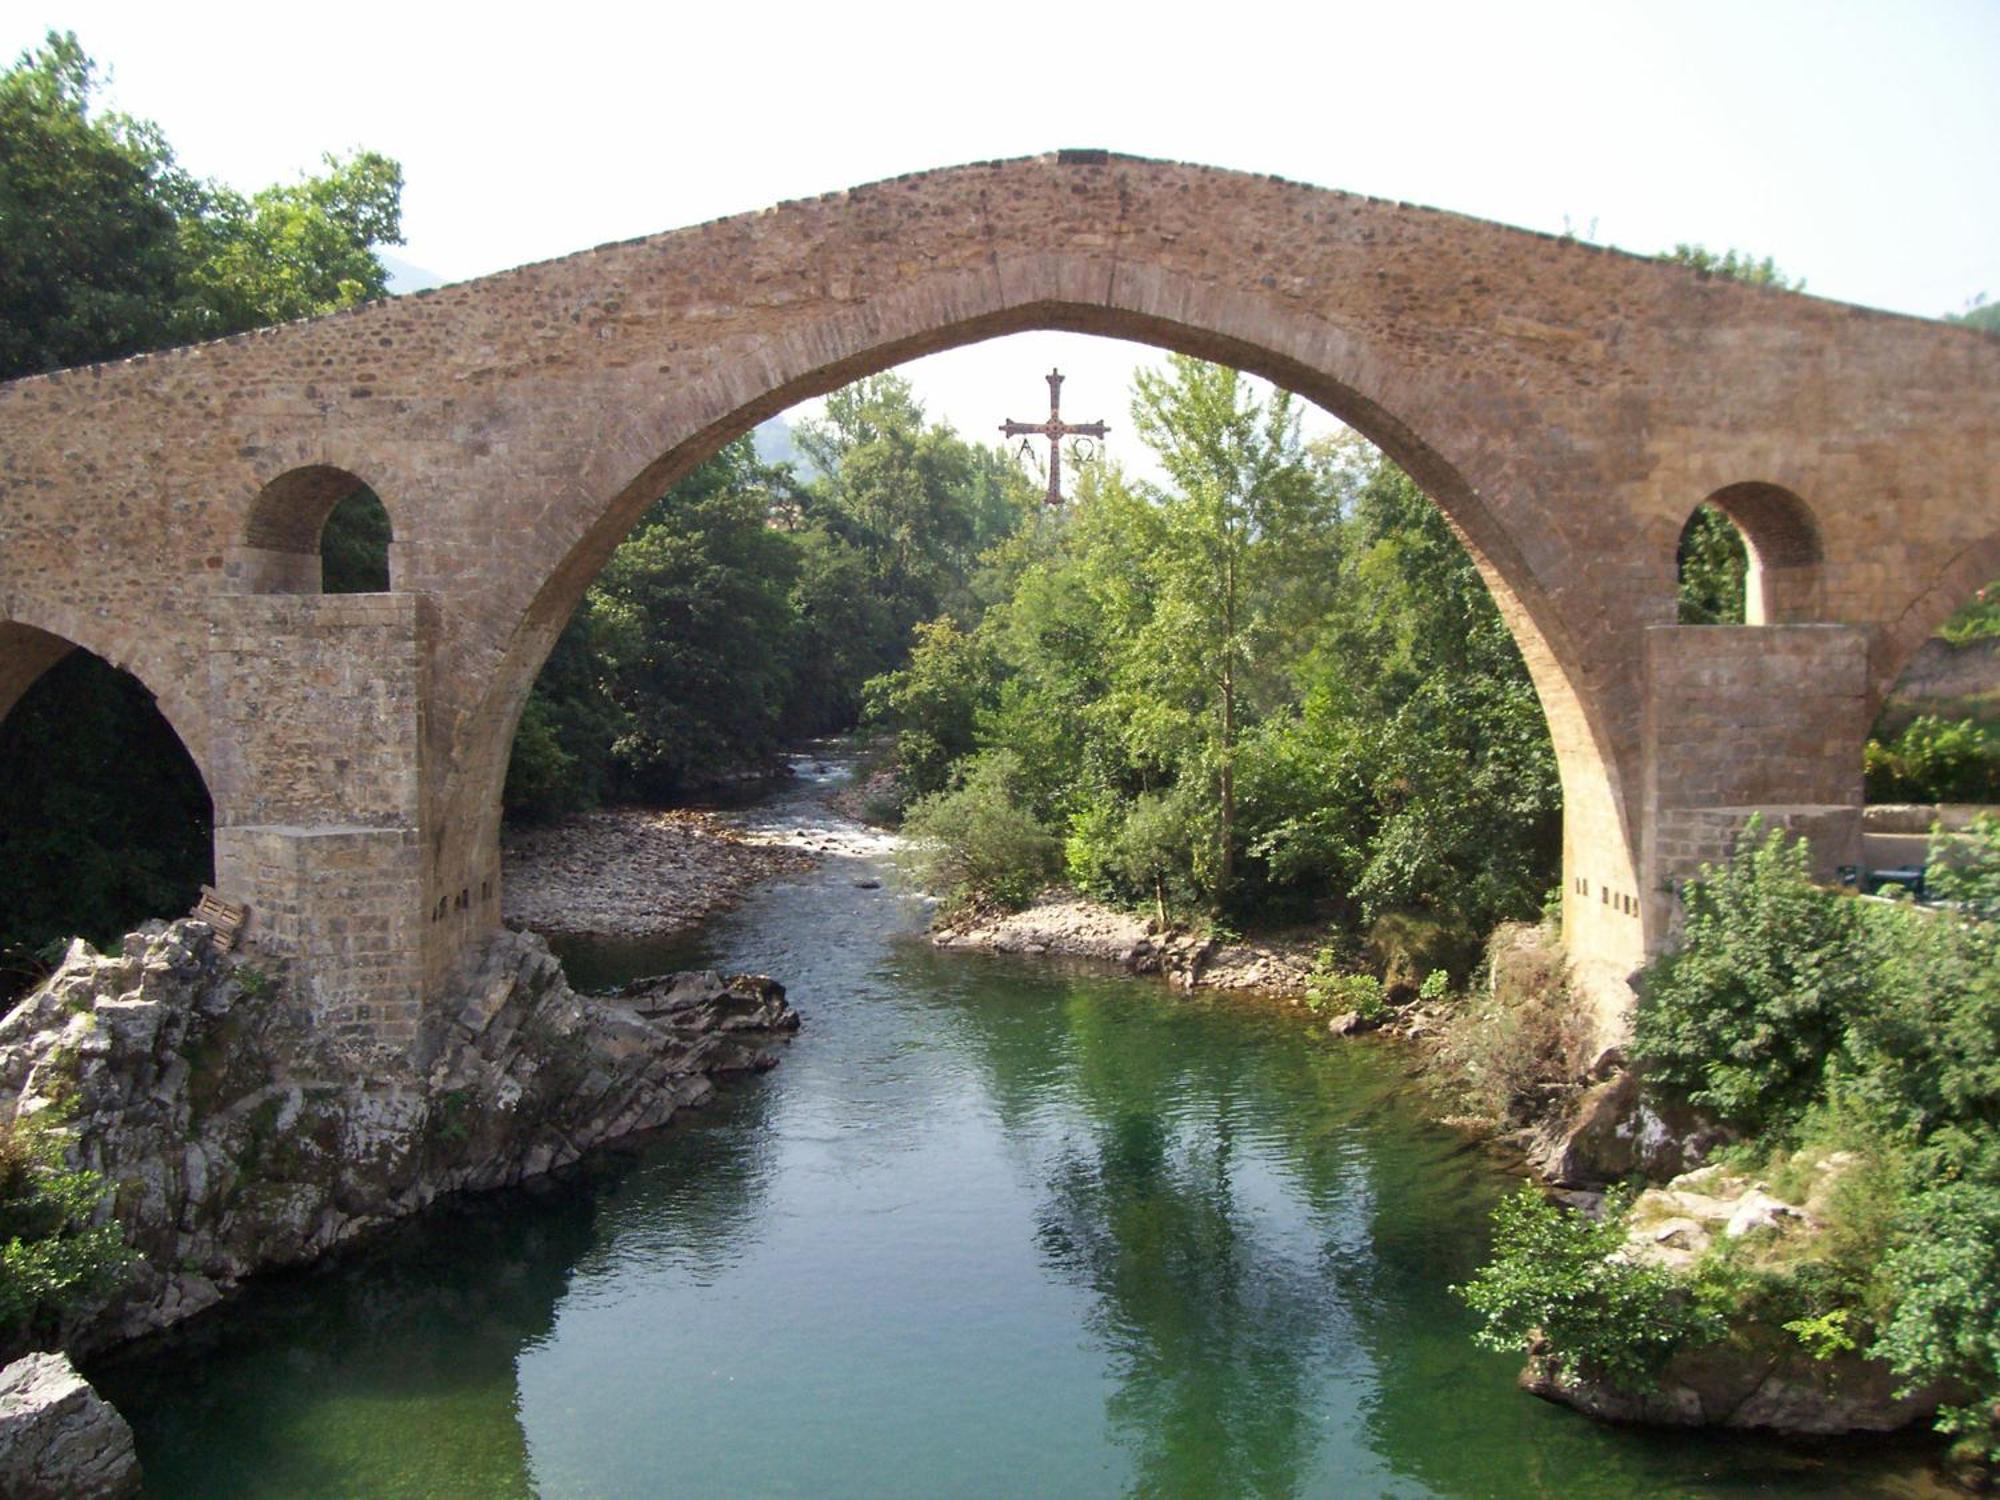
(1232, 567)
(109, 248)
(91, 262)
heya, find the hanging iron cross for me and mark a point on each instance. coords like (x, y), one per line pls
(1055, 430)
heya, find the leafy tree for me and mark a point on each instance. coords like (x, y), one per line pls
(91, 261)
(1934, 760)
(54, 1257)
(1557, 1276)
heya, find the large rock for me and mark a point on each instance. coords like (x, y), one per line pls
(1618, 1129)
(1757, 1380)
(236, 1135)
(59, 1440)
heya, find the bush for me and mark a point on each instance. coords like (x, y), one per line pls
(1518, 1036)
(975, 843)
(1943, 1281)
(1933, 760)
(1745, 1015)
(1329, 988)
(53, 1259)
(1554, 1276)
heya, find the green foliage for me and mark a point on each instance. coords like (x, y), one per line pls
(53, 1258)
(1277, 689)
(1979, 620)
(1553, 1276)
(1747, 1013)
(354, 545)
(1943, 1280)
(1714, 569)
(1824, 1335)
(1734, 265)
(934, 701)
(109, 248)
(1331, 988)
(1872, 1028)
(975, 843)
(1933, 760)
(746, 610)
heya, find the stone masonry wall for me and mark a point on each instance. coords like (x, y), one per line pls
(1745, 720)
(1566, 406)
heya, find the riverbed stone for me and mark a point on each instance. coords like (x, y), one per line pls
(60, 1440)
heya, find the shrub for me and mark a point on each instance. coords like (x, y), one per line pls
(53, 1259)
(1943, 1281)
(1556, 1276)
(1329, 988)
(975, 842)
(1744, 1016)
(1934, 760)
(1518, 1036)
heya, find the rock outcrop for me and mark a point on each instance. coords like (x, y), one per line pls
(237, 1136)
(1759, 1379)
(60, 1440)
(1759, 1376)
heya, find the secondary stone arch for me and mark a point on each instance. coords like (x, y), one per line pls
(31, 643)
(279, 550)
(1895, 647)
(657, 445)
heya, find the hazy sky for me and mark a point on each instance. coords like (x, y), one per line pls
(1855, 142)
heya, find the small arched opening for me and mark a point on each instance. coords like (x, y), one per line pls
(1749, 555)
(105, 818)
(313, 530)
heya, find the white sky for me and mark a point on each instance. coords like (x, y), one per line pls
(1855, 142)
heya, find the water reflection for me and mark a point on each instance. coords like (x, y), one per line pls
(988, 1230)
(284, 1396)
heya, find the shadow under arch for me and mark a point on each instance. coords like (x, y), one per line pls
(287, 527)
(107, 813)
(1783, 585)
(634, 464)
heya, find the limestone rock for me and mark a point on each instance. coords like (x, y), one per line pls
(60, 1440)
(1618, 1128)
(1760, 1379)
(236, 1135)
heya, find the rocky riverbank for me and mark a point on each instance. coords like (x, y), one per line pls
(235, 1135)
(635, 872)
(1067, 925)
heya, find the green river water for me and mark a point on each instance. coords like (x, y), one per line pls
(988, 1230)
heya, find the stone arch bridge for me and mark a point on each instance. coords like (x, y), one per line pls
(1566, 406)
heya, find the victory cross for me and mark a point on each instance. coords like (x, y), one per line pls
(1055, 430)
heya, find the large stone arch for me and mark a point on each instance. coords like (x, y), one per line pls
(658, 444)
(1564, 404)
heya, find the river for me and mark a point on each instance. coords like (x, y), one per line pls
(989, 1229)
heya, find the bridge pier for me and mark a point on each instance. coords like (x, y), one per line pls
(319, 707)
(1742, 721)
